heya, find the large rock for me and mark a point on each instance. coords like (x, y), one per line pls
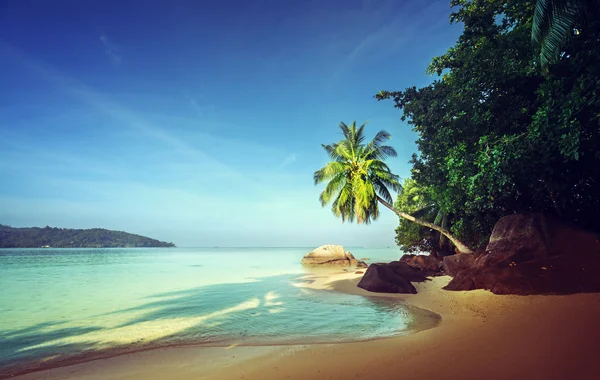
(330, 255)
(555, 275)
(428, 264)
(521, 238)
(534, 254)
(457, 263)
(395, 277)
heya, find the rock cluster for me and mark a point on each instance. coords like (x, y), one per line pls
(458, 262)
(428, 264)
(526, 254)
(530, 254)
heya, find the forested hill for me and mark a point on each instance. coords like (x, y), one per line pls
(36, 237)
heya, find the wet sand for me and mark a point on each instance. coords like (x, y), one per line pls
(481, 336)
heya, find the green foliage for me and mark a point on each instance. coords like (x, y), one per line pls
(555, 22)
(418, 202)
(357, 175)
(36, 237)
(414, 200)
(498, 135)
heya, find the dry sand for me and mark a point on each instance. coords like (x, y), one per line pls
(481, 336)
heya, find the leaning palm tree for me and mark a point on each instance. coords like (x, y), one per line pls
(359, 180)
(555, 22)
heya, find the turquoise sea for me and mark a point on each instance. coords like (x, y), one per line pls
(60, 305)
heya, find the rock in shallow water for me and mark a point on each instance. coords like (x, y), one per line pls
(395, 277)
(331, 255)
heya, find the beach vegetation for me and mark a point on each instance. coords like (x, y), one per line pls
(411, 237)
(497, 132)
(359, 180)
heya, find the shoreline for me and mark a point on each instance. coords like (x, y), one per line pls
(26, 367)
(305, 280)
(480, 335)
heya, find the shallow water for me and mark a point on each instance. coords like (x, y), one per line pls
(57, 303)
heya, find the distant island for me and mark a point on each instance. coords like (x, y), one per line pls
(51, 237)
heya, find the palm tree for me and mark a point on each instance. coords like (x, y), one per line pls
(359, 180)
(555, 22)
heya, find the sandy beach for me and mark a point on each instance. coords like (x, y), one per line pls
(481, 336)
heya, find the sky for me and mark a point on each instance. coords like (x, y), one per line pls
(201, 122)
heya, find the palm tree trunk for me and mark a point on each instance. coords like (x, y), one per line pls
(460, 246)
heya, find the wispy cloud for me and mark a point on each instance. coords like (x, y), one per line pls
(128, 118)
(384, 28)
(16, 156)
(290, 159)
(200, 108)
(111, 50)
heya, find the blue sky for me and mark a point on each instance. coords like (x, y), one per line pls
(200, 122)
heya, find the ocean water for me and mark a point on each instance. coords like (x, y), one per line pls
(58, 305)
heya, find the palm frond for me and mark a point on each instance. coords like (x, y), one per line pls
(553, 26)
(346, 131)
(360, 134)
(381, 137)
(365, 197)
(542, 18)
(376, 164)
(343, 206)
(387, 151)
(333, 188)
(357, 175)
(387, 179)
(375, 149)
(382, 153)
(329, 171)
(383, 191)
(561, 31)
(372, 213)
(344, 150)
(331, 152)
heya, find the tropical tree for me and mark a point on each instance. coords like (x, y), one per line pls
(417, 201)
(498, 136)
(556, 21)
(359, 180)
